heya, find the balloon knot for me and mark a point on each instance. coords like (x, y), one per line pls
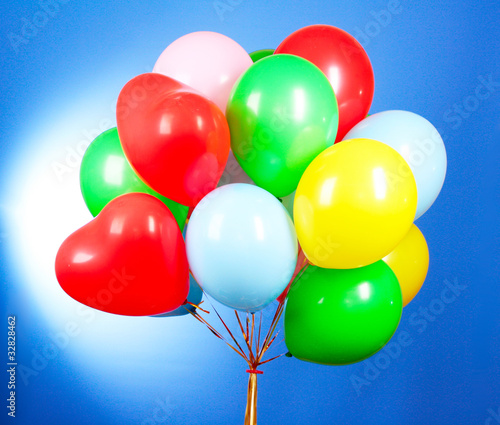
(259, 372)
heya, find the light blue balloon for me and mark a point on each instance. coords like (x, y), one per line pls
(418, 142)
(241, 246)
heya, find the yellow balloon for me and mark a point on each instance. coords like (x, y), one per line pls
(410, 261)
(354, 203)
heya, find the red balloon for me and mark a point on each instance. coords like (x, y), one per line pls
(176, 140)
(129, 260)
(344, 62)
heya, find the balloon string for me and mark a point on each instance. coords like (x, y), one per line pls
(268, 340)
(271, 359)
(197, 306)
(248, 341)
(255, 349)
(260, 327)
(231, 334)
(218, 335)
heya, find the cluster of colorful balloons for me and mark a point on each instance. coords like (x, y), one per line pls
(273, 158)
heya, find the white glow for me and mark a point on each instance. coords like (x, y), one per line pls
(82, 257)
(364, 291)
(223, 78)
(116, 226)
(215, 227)
(379, 183)
(325, 196)
(42, 207)
(165, 124)
(299, 102)
(253, 102)
(259, 228)
(199, 122)
(45, 212)
(113, 170)
(151, 224)
(334, 77)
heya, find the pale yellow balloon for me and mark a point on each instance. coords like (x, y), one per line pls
(354, 203)
(410, 261)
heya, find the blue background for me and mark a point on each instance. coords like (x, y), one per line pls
(58, 89)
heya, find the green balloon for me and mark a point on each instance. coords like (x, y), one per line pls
(105, 173)
(338, 317)
(282, 112)
(260, 54)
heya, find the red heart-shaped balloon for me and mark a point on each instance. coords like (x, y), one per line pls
(176, 140)
(130, 260)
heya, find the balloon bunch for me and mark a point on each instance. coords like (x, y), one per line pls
(264, 151)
